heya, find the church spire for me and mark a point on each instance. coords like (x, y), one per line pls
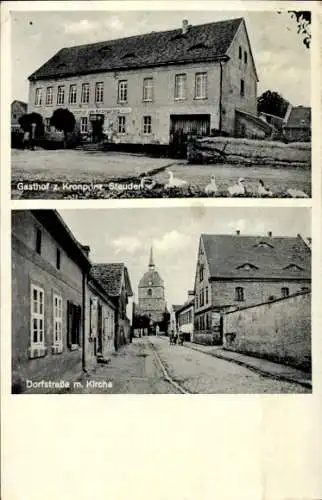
(151, 262)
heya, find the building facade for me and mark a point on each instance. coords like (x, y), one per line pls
(49, 274)
(151, 89)
(115, 281)
(185, 317)
(100, 331)
(18, 109)
(236, 271)
(151, 294)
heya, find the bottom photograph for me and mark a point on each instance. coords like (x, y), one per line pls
(173, 300)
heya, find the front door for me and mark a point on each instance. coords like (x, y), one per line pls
(183, 126)
(97, 122)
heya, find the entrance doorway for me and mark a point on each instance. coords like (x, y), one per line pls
(183, 126)
(97, 121)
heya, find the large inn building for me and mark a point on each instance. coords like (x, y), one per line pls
(149, 88)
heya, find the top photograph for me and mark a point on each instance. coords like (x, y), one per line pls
(160, 104)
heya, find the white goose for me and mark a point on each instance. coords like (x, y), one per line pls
(262, 191)
(238, 188)
(174, 182)
(211, 188)
(297, 193)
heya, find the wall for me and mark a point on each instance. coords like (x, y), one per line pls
(160, 109)
(297, 134)
(280, 330)
(233, 71)
(223, 292)
(253, 151)
(245, 127)
(28, 267)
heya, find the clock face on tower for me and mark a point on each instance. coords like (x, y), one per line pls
(150, 283)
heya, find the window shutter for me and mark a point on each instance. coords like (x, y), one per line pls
(69, 323)
(78, 314)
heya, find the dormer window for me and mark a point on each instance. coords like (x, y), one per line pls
(247, 267)
(293, 267)
(198, 46)
(263, 244)
(128, 55)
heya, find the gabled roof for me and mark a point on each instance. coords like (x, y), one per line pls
(22, 104)
(184, 306)
(299, 117)
(206, 42)
(225, 253)
(110, 276)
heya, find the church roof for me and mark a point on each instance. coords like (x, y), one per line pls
(151, 278)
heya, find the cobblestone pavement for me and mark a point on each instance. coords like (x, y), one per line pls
(136, 370)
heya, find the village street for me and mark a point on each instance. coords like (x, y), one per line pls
(101, 168)
(151, 366)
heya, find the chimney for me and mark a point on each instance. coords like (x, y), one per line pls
(86, 249)
(238, 232)
(185, 26)
(269, 234)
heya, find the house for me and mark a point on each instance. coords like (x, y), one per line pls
(49, 275)
(100, 322)
(297, 127)
(153, 88)
(235, 271)
(173, 317)
(115, 281)
(18, 109)
(185, 317)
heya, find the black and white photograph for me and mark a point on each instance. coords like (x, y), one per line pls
(148, 104)
(185, 301)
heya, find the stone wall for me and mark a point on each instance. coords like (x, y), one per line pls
(249, 151)
(278, 330)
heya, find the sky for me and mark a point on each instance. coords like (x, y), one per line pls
(282, 60)
(126, 235)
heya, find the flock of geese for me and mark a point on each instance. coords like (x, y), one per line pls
(237, 189)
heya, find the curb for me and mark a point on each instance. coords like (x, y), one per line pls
(264, 373)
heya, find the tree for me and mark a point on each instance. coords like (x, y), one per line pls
(63, 120)
(272, 103)
(26, 121)
(303, 20)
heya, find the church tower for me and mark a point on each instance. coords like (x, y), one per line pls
(151, 293)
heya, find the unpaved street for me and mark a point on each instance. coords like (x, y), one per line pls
(136, 370)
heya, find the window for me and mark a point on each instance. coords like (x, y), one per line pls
(207, 298)
(37, 316)
(201, 298)
(47, 124)
(72, 94)
(61, 94)
(122, 91)
(239, 294)
(49, 96)
(147, 89)
(38, 241)
(240, 52)
(85, 93)
(57, 258)
(201, 269)
(149, 292)
(84, 125)
(180, 87)
(201, 86)
(245, 57)
(285, 291)
(242, 88)
(121, 125)
(73, 324)
(38, 97)
(99, 92)
(58, 320)
(147, 125)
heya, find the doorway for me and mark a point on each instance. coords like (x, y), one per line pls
(97, 122)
